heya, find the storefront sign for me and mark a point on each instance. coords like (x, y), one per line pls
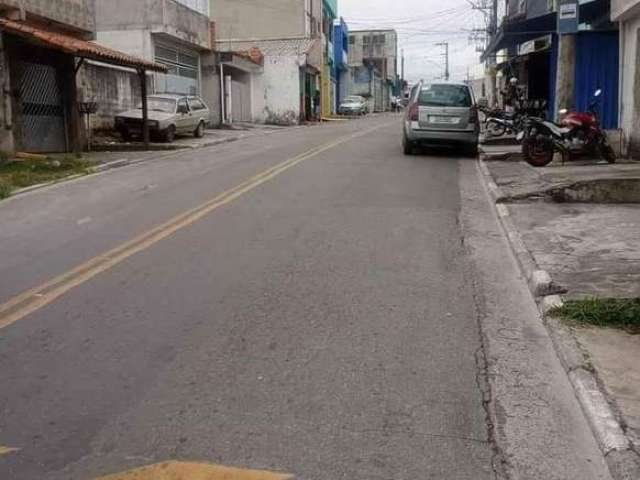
(568, 20)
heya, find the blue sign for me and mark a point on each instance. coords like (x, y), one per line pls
(568, 17)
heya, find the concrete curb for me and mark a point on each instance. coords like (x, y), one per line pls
(622, 460)
(539, 281)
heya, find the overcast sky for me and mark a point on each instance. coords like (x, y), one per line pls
(421, 24)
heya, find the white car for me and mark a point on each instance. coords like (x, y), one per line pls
(169, 115)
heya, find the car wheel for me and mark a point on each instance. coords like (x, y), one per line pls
(199, 131)
(407, 146)
(472, 150)
(170, 134)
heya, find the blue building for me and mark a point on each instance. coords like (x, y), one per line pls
(563, 67)
(340, 67)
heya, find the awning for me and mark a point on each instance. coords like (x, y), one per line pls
(512, 34)
(76, 47)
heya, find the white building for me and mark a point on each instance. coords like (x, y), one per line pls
(175, 33)
(287, 34)
(627, 13)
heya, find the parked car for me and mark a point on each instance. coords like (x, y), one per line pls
(441, 114)
(169, 115)
(353, 105)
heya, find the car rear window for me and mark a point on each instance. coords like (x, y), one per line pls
(445, 96)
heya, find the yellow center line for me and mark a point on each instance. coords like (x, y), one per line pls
(195, 471)
(5, 450)
(29, 301)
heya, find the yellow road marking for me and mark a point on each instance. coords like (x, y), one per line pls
(194, 471)
(5, 450)
(34, 299)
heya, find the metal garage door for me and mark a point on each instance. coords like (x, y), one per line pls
(41, 113)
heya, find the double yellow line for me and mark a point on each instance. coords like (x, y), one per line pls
(34, 299)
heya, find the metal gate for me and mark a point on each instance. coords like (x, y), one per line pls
(41, 112)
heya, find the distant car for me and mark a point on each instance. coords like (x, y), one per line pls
(353, 105)
(169, 115)
(441, 114)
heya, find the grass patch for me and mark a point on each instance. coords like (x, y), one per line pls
(24, 173)
(623, 313)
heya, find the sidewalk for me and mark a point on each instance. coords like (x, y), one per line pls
(110, 153)
(580, 223)
(111, 142)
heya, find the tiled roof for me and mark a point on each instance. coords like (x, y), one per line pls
(269, 48)
(75, 46)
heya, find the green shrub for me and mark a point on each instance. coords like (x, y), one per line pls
(5, 189)
(621, 313)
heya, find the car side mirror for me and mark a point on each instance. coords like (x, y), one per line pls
(483, 102)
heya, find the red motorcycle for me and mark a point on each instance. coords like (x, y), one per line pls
(578, 134)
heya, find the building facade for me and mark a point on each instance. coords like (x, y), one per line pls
(285, 88)
(43, 46)
(175, 33)
(340, 60)
(627, 14)
(373, 62)
(328, 79)
(561, 61)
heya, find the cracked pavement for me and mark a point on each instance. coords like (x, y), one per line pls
(342, 319)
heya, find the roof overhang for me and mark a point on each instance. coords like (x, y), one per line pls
(243, 61)
(76, 47)
(512, 34)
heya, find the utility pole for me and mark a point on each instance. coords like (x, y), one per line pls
(493, 31)
(402, 69)
(446, 58)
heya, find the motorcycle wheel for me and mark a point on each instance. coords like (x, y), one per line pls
(495, 129)
(537, 152)
(607, 153)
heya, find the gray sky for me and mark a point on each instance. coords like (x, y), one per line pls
(421, 24)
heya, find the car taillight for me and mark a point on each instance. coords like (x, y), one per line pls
(413, 113)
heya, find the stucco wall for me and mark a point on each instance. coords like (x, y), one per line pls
(158, 16)
(280, 90)
(622, 9)
(272, 19)
(115, 90)
(630, 79)
(134, 42)
(6, 118)
(78, 14)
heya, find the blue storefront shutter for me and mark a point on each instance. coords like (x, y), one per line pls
(597, 67)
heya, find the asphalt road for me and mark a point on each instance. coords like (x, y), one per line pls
(321, 319)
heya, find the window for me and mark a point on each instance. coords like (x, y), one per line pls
(200, 6)
(379, 39)
(183, 105)
(444, 95)
(183, 70)
(196, 104)
(352, 40)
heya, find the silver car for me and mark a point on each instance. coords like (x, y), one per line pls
(441, 114)
(353, 105)
(169, 115)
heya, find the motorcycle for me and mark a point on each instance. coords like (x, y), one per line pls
(499, 122)
(577, 134)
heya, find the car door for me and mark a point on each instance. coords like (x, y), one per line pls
(184, 117)
(199, 111)
(445, 107)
